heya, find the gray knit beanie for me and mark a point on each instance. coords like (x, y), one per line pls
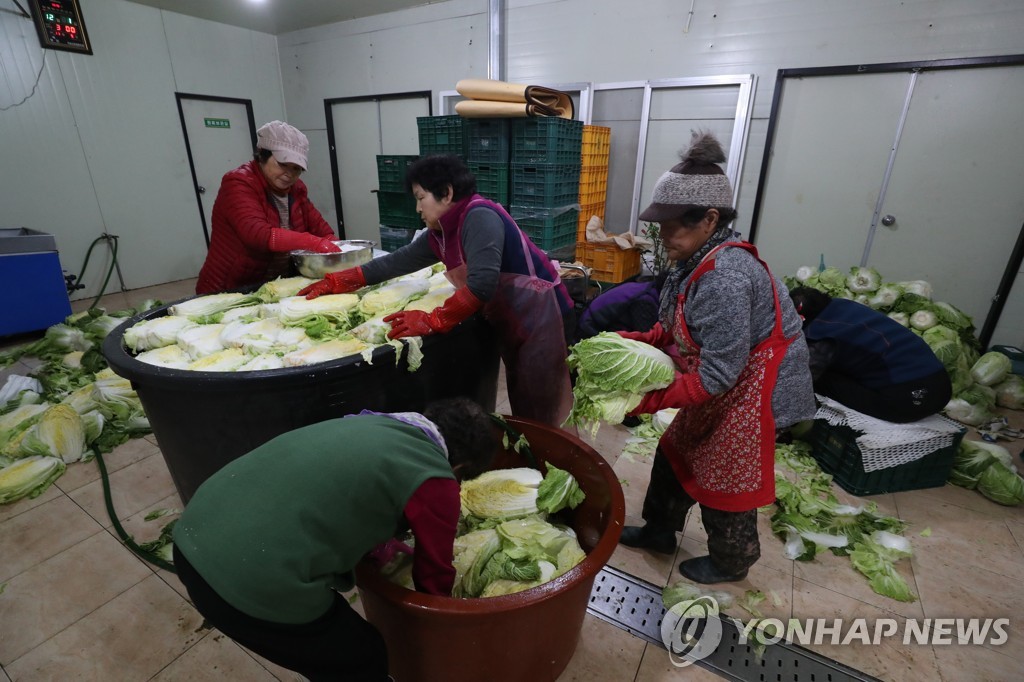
(697, 181)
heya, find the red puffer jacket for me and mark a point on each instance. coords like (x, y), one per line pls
(243, 216)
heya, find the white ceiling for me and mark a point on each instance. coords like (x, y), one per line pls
(281, 16)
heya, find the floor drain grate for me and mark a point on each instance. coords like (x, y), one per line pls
(635, 606)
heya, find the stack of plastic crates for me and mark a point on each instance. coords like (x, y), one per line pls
(545, 170)
(441, 135)
(397, 208)
(608, 263)
(488, 155)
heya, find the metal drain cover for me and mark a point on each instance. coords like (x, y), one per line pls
(635, 606)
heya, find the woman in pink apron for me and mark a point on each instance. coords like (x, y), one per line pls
(496, 270)
(743, 374)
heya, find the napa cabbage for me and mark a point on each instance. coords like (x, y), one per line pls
(224, 360)
(991, 368)
(324, 352)
(156, 333)
(209, 305)
(558, 490)
(863, 280)
(501, 494)
(613, 374)
(201, 340)
(29, 477)
(1010, 392)
(923, 319)
(434, 298)
(262, 362)
(59, 432)
(172, 357)
(282, 287)
(391, 297)
(1001, 485)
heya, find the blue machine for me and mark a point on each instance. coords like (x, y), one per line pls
(33, 292)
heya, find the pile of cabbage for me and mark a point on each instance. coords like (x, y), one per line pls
(612, 375)
(980, 382)
(507, 540)
(273, 327)
(809, 519)
(71, 404)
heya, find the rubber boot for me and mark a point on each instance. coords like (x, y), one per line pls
(703, 570)
(654, 538)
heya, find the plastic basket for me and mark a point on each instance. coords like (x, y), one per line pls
(835, 449)
(394, 238)
(391, 172)
(492, 180)
(546, 140)
(398, 209)
(487, 139)
(441, 135)
(550, 230)
(608, 263)
(596, 146)
(593, 185)
(545, 185)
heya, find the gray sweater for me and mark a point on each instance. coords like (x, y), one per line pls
(729, 311)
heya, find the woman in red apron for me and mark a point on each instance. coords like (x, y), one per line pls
(496, 270)
(743, 374)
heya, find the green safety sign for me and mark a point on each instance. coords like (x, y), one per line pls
(217, 122)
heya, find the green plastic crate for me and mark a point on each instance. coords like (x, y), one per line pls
(492, 180)
(391, 172)
(548, 232)
(835, 449)
(547, 140)
(545, 185)
(441, 135)
(394, 238)
(398, 209)
(487, 139)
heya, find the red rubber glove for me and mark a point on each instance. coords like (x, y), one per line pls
(656, 336)
(457, 308)
(685, 391)
(336, 283)
(289, 240)
(383, 553)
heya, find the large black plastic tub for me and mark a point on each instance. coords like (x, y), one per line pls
(203, 420)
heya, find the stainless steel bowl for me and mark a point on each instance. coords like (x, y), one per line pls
(315, 265)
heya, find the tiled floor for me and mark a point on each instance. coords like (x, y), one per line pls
(76, 605)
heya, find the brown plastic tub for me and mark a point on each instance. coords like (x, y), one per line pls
(530, 635)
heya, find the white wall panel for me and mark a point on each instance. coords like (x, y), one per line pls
(100, 143)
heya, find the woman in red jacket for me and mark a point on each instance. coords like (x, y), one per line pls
(261, 213)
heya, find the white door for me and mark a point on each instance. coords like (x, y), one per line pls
(220, 138)
(364, 128)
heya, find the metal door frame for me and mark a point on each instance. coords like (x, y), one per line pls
(1013, 265)
(247, 103)
(332, 147)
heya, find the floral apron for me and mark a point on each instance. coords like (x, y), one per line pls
(723, 450)
(525, 313)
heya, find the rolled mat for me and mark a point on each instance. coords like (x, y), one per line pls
(491, 98)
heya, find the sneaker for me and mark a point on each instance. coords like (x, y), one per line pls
(658, 540)
(702, 570)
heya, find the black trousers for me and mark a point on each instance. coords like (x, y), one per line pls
(339, 645)
(732, 536)
(899, 403)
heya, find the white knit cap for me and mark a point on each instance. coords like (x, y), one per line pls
(697, 181)
(287, 143)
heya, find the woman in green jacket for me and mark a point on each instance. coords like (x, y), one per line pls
(267, 543)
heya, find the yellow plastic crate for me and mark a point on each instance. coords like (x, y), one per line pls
(608, 263)
(597, 145)
(593, 185)
(586, 211)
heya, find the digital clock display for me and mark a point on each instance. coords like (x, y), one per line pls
(60, 26)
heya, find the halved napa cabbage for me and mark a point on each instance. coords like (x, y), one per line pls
(201, 340)
(245, 313)
(329, 350)
(392, 297)
(29, 477)
(226, 360)
(439, 279)
(172, 357)
(282, 287)
(256, 337)
(335, 306)
(59, 432)
(156, 333)
(435, 298)
(205, 306)
(373, 331)
(422, 273)
(262, 361)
